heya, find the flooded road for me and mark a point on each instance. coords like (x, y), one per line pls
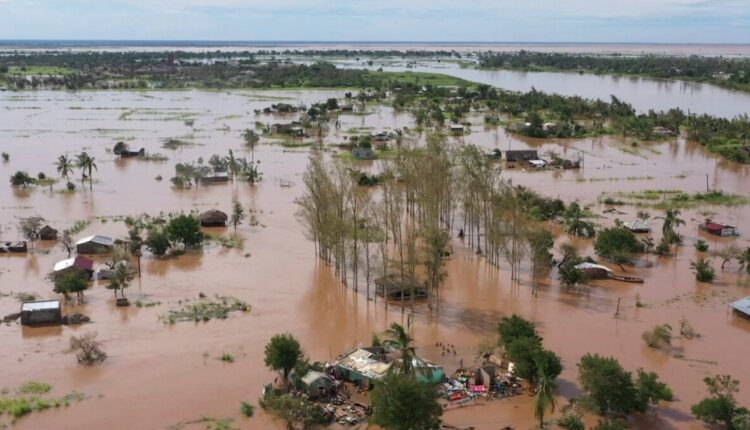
(158, 376)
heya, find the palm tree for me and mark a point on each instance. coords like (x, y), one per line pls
(64, 166)
(250, 140)
(397, 338)
(575, 223)
(86, 163)
(744, 260)
(544, 398)
(672, 222)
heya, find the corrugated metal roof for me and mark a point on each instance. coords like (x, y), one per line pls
(592, 266)
(312, 376)
(742, 305)
(99, 239)
(80, 262)
(40, 305)
(361, 361)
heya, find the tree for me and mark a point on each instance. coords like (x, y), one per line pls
(721, 405)
(250, 139)
(185, 229)
(238, 214)
(515, 327)
(88, 350)
(617, 244)
(64, 167)
(575, 223)
(135, 246)
(400, 402)
(66, 241)
(157, 241)
(21, 179)
(650, 390)
(74, 281)
(703, 270)
(744, 260)
(672, 222)
(30, 228)
(540, 242)
(121, 276)
(531, 359)
(609, 387)
(544, 398)
(397, 338)
(86, 163)
(283, 353)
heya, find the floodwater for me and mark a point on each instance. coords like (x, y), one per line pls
(643, 94)
(157, 375)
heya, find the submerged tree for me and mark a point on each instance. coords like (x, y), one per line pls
(283, 353)
(87, 164)
(721, 405)
(30, 228)
(238, 214)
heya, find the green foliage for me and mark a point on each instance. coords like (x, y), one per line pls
(205, 309)
(400, 402)
(611, 424)
(73, 281)
(571, 421)
(617, 244)
(575, 223)
(247, 409)
(703, 270)
(34, 387)
(226, 357)
(21, 179)
(295, 411)
(532, 360)
(157, 241)
(186, 230)
(610, 388)
(283, 353)
(721, 405)
(398, 338)
(513, 328)
(701, 245)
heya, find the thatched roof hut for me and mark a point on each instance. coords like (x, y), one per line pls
(213, 218)
(47, 233)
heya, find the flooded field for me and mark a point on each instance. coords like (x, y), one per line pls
(159, 376)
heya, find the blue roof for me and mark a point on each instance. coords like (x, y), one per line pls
(742, 305)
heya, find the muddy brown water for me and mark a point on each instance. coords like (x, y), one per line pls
(157, 375)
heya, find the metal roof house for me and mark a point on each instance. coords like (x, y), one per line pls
(521, 155)
(317, 384)
(741, 307)
(719, 229)
(362, 366)
(638, 226)
(41, 312)
(95, 244)
(78, 262)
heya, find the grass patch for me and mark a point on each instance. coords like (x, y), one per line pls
(175, 143)
(30, 400)
(34, 387)
(422, 78)
(38, 70)
(210, 423)
(205, 309)
(231, 241)
(227, 357)
(146, 304)
(664, 199)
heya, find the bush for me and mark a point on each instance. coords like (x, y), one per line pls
(88, 350)
(21, 179)
(186, 230)
(6, 156)
(703, 270)
(617, 244)
(401, 402)
(247, 409)
(701, 245)
(157, 241)
(294, 410)
(571, 422)
(660, 337)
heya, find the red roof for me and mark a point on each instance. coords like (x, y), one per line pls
(83, 263)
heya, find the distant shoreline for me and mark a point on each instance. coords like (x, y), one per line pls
(680, 49)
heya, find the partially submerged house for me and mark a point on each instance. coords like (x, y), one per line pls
(741, 307)
(537, 164)
(13, 247)
(41, 312)
(79, 263)
(457, 129)
(216, 178)
(292, 129)
(131, 154)
(662, 131)
(317, 385)
(96, 244)
(213, 218)
(514, 155)
(394, 287)
(638, 226)
(719, 229)
(47, 233)
(363, 366)
(363, 153)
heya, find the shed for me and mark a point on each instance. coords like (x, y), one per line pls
(213, 218)
(78, 262)
(317, 384)
(719, 229)
(521, 155)
(391, 286)
(47, 233)
(96, 244)
(457, 129)
(41, 312)
(216, 178)
(130, 154)
(537, 164)
(638, 226)
(741, 307)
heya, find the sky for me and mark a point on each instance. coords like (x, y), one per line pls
(636, 21)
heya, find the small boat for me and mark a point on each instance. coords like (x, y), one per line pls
(622, 278)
